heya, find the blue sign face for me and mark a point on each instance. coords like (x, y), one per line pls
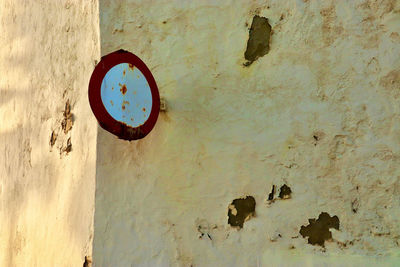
(123, 95)
(126, 95)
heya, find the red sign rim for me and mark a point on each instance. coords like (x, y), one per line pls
(106, 121)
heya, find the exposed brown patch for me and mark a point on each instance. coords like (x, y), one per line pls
(123, 89)
(259, 37)
(112, 88)
(131, 67)
(123, 73)
(318, 230)
(123, 107)
(285, 192)
(144, 109)
(67, 148)
(67, 122)
(317, 137)
(53, 138)
(241, 210)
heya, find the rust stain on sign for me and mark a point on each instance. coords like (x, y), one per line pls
(124, 103)
(123, 89)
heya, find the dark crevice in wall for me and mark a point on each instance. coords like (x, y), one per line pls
(285, 192)
(271, 195)
(87, 262)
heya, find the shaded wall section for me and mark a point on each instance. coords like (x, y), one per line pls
(278, 154)
(47, 132)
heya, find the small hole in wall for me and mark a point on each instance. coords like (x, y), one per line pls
(285, 192)
(241, 210)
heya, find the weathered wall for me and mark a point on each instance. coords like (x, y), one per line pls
(319, 112)
(47, 53)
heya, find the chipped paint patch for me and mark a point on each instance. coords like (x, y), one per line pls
(241, 210)
(285, 192)
(318, 230)
(259, 37)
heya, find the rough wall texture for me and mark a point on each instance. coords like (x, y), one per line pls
(318, 112)
(47, 131)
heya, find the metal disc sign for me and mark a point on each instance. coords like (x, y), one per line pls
(124, 96)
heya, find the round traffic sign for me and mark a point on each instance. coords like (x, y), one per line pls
(124, 96)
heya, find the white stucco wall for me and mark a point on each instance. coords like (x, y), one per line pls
(232, 131)
(47, 54)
